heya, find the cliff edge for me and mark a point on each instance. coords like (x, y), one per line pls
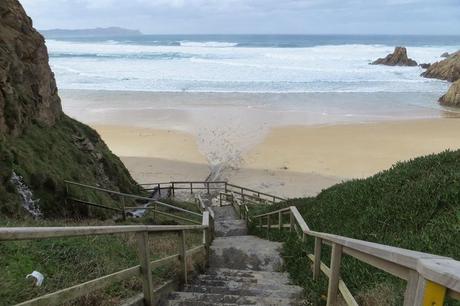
(40, 146)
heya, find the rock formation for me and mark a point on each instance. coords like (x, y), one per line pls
(445, 54)
(448, 69)
(425, 65)
(452, 97)
(37, 140)
(27, 87)
(397, 58)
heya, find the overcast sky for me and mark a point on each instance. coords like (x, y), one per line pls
(252, 16)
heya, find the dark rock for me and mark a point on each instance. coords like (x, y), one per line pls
(397, 58)
(425, 65)
(448, 69)
(27, 87)
(452, 97)
(445, 54)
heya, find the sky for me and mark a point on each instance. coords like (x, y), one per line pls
(431, 17)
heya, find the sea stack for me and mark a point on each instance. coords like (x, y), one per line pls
(448, 69)
(397, 58)
(452, 97)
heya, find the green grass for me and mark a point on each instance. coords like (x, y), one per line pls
(45, 157)
(413, 205)
(69, 261)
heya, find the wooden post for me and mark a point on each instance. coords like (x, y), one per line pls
(207, 187)
(191, 188)
(268, 224)
(159, 190)
(220, 199)
(183, 256)
(333, 289)
(173, 190)
(317, 262)
(260, 222)
(146, 272)
(280, 221)
(123, 208)
(226, 187)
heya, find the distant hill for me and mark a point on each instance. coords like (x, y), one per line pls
(96, 32)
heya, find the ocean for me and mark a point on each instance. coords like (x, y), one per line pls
(246, 63)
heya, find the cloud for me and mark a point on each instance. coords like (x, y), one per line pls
(252, 16)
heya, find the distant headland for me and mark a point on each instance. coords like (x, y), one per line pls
(94, 32)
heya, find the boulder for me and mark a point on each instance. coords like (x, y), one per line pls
(445, 54)
(397, 58)
(425, 65)
(452, 97)
(447, 69)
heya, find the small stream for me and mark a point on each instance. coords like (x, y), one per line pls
(28, 202)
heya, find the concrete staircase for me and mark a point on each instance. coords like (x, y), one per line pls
(243, 270)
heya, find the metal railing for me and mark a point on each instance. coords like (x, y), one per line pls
(142, 270)
(429, 277)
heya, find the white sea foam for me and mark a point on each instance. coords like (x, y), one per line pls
(224, 67)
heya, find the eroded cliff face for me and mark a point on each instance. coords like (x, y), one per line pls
(28, 90)
(452, 97)
(37, 140)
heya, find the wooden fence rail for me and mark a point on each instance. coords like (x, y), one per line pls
(429, 277)
(142, 270)
(220, 186)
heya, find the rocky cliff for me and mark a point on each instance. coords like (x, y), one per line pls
(452, 97)
(447, 69)
(37, 140)
(397, 58)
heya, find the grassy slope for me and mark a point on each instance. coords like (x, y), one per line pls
(69, 261)
(45, 157)
(414, 205)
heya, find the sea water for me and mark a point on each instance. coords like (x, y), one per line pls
(245, 63)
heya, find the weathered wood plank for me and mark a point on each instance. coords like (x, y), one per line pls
(146, 270)
(336, 259)
(26, 233)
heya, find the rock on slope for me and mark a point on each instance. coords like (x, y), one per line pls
(447, 69)
(37, 140)
(452, 97)
(397, 58)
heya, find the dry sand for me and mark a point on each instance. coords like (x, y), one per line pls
(290, 161)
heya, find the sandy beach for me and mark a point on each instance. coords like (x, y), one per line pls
(292, 160)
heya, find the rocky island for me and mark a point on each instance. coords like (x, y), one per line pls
(397, 58)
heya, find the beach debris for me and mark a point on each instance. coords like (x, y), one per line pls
(397, 58)
(27, 197)
(39, 278)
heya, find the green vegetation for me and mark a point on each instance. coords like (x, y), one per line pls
(45, 157)
(70, 261)
(413, 205)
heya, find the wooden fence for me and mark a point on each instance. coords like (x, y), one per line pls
(429, 277)
(142, 270)
(245, 194)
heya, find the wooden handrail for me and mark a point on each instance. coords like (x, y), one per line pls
(132, 196)
(418, 268)
(142, 233)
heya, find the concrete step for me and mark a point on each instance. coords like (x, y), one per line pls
(244, 289)
(245, 253)
(195, 298)
(246, 275)
(225, 228)
(224, 213)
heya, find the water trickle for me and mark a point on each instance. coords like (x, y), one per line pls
(28, 202)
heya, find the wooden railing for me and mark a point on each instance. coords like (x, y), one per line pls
(240, 207)
(245, 194)
(144, 268)
(123, 209)
(429, 277)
